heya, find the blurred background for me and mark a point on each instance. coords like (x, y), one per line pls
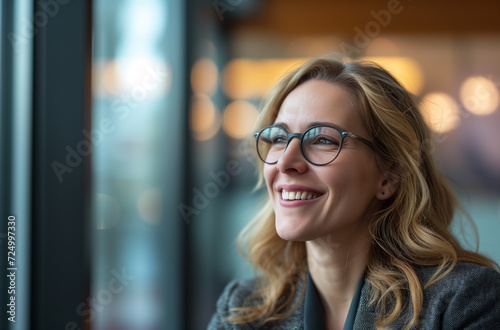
(124, 138)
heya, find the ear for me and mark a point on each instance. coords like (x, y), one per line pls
(387, 187)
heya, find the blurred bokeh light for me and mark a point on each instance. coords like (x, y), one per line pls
(479, 95)
(204, 118)
(406, 69)
(440, 112)
(248, 78)
(204, 77)
(239, 119)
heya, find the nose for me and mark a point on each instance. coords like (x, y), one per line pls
(292, 159)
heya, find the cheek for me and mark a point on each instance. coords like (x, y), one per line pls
(362, 182)
(336, 176)
(347, 178)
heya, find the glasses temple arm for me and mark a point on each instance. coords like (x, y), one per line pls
(365, 141)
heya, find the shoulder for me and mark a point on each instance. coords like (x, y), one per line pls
(241, 293)
(468, 297)
(235, 294)
(463, 277)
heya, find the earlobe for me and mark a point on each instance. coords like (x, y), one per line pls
(387, 188)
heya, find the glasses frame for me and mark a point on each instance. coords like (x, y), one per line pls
(300, 136)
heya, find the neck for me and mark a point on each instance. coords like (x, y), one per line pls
(335, 269)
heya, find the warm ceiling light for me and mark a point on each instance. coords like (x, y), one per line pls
(239, 119)
(440, 112)
(406, 70)
(204, 119)
(245, 78)
(204, 76)
(479, 95)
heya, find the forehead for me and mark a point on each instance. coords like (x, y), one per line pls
(320, 101)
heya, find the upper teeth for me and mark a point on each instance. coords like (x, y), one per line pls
(292, 195)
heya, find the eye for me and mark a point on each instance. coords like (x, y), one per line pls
(322, 140)
(278, 139)
(325, 140)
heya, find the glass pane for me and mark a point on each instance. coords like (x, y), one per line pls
(136, 164)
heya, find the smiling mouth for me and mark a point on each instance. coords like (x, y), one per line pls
(298, 195)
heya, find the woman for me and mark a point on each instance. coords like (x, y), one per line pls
(355, 233)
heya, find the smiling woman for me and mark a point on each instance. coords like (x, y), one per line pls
(355, 233)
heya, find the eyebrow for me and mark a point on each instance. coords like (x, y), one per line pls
(314, 123)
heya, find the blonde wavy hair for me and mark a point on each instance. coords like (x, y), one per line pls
(412, 228)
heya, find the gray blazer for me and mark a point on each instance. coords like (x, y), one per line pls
(467, 298)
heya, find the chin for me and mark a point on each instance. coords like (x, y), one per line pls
(291, 231)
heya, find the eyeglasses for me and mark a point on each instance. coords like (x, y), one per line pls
(320, 145)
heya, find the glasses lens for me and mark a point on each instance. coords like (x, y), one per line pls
(321, 145)
(271, 144)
